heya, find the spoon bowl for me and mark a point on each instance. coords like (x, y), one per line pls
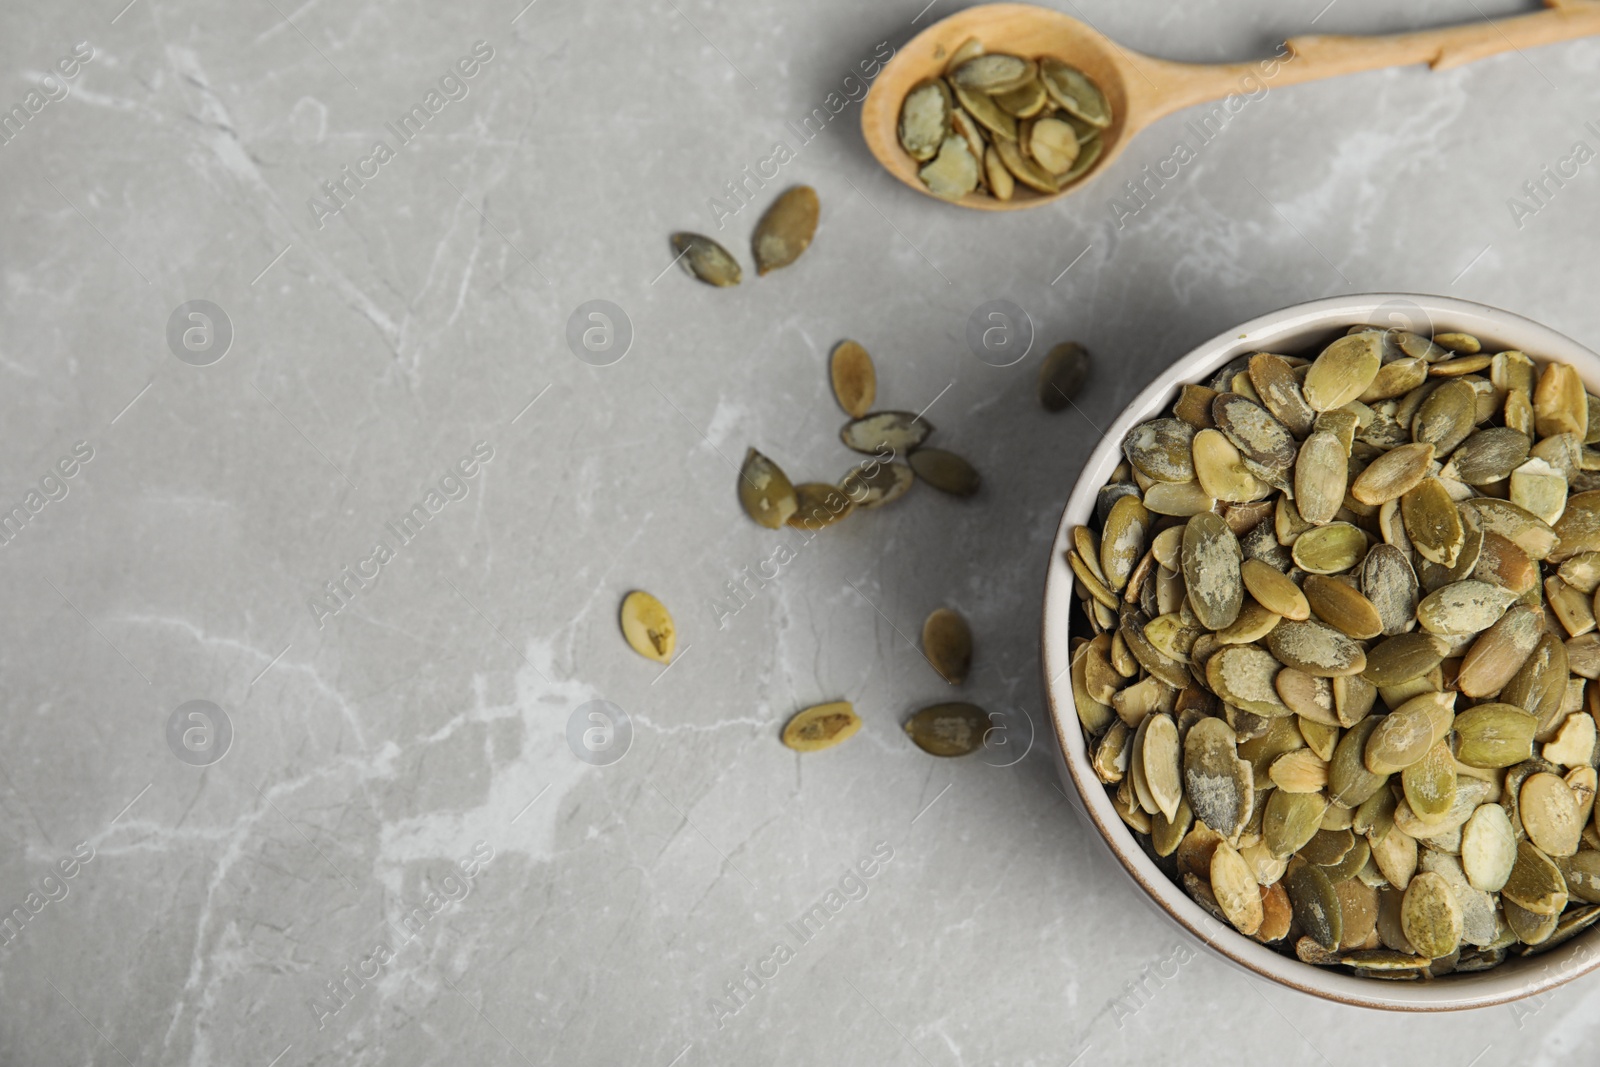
(1141, 89)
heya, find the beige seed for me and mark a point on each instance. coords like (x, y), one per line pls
(855, 381)
(1395, 855)
(1571, 608)
(786, 229)
(1220, 469)
(1433, 522)
(947, 643)
(1573, 744)
(821, 727)
(1243, 676)
(1161, 754)
(765, 491)
(1343, 370)
(1393, 474)
(1217, 783)
(1252, 624)
(1316, 648)
(1301, 771)
(1488, 848)
(1559, 403)
(1236, 889)
(1339, 605)
(1464, 607)
(1431, 916)
(1274, 590)
(1123, 541)
(1307, 695)
(1211, 570)
(1319, 478)
(1549, 813)
(648, 627)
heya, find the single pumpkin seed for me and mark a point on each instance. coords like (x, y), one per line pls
(1211, 561)
(765, 491)
(953, 173)
(1319, 478)
(1259, 437)
(1274, 590)
(1074, 92)
(648, 627)
(945, 471)
(1217, 783)
(1487, 456)
(1549, 813)
(1430, 783)
(947, 642)
(1535, 883)
(1331, 549)
(1026, 101)
(1279, 389)
(1433, 522)
(787, 228)
(1307, 695)
(1291, 820)
(996, 72)
(1316, 648)
(1123, 541)
(1161, 754)
(899, 432)
(1316, 904)
(818, 504)
(855, 381)
(1431, 916)
(1062, 374)
(1404, 735)
(1220, 469)
(1393, 474)
(874, 484)
(1559, 402)
(1343, 370)
(990, 115)
(1052, 143)
(1446, 417)
(1343, 607)
(1243, 675)
(1300, 771)
(1236, 890)
(822, 726)
(706, 259)
(925, 119)
(949, 729)
(1488, 848)
(1025, 170)
(1464, 607)
(1002, 186)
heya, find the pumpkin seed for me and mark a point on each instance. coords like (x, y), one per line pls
(1463, 607)
(1581, 873)
(873, 484)
(1220, 469)
(1026, 101)
(1217, 783)
(1549, 813)
(1316, 648)
(1074, 92)
(1315, 903)
(706, 259)
(1535, 883)
(1404, 735)
(994, 73)
(818, 504)
(1052, 142)
(855, 381)
(1024, 169)
(1430, 916)
(1062, 374)
(1396, 857)
(990, 115)
(1259, 437)
(947, 643)
(1234, 885)
(898, 431)
(648, 627)
(1559, 402)
(1430, 783)
(1123, 541)
(1002, 186)
(1331, 549)
(1390, 585)
(1573, 745)
(1243, 675)
(1488, 848)
(785, 231)
(925, 119)
(1396, 378)
(1343, 607)
(1300, 771)
(945, 471)
(949, 729)
(1343, 370)
(822, 726)
(1273, 590)
(1211, 561)
(1433, 522)
(765, 491)
(1319, 477)
(1446, 417)
(1487, 456)
(1393, 474)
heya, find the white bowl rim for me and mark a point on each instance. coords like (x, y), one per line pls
(1293, 326)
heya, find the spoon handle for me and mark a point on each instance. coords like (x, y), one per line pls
(1172, 86)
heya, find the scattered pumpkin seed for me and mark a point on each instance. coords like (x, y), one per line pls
(648, 626)
(765, 491)
(949, 729)
(822, 726)
(1062, 374)
(855, 381)
(785, 231)
(707, 260)
(947, 642)
(945, 471)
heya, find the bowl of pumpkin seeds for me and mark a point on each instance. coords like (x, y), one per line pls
(1320, 649)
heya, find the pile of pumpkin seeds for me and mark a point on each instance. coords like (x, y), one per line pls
(783, 233)
(1341, 678)
(893, 438)
(994, 120)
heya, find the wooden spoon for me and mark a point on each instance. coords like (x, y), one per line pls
(1142, 89)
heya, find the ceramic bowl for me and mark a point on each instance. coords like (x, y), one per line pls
(1294, 330)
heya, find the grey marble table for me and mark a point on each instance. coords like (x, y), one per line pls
(399, 858)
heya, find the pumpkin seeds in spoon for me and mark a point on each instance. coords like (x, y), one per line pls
(1074, 92)
(925, 119)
